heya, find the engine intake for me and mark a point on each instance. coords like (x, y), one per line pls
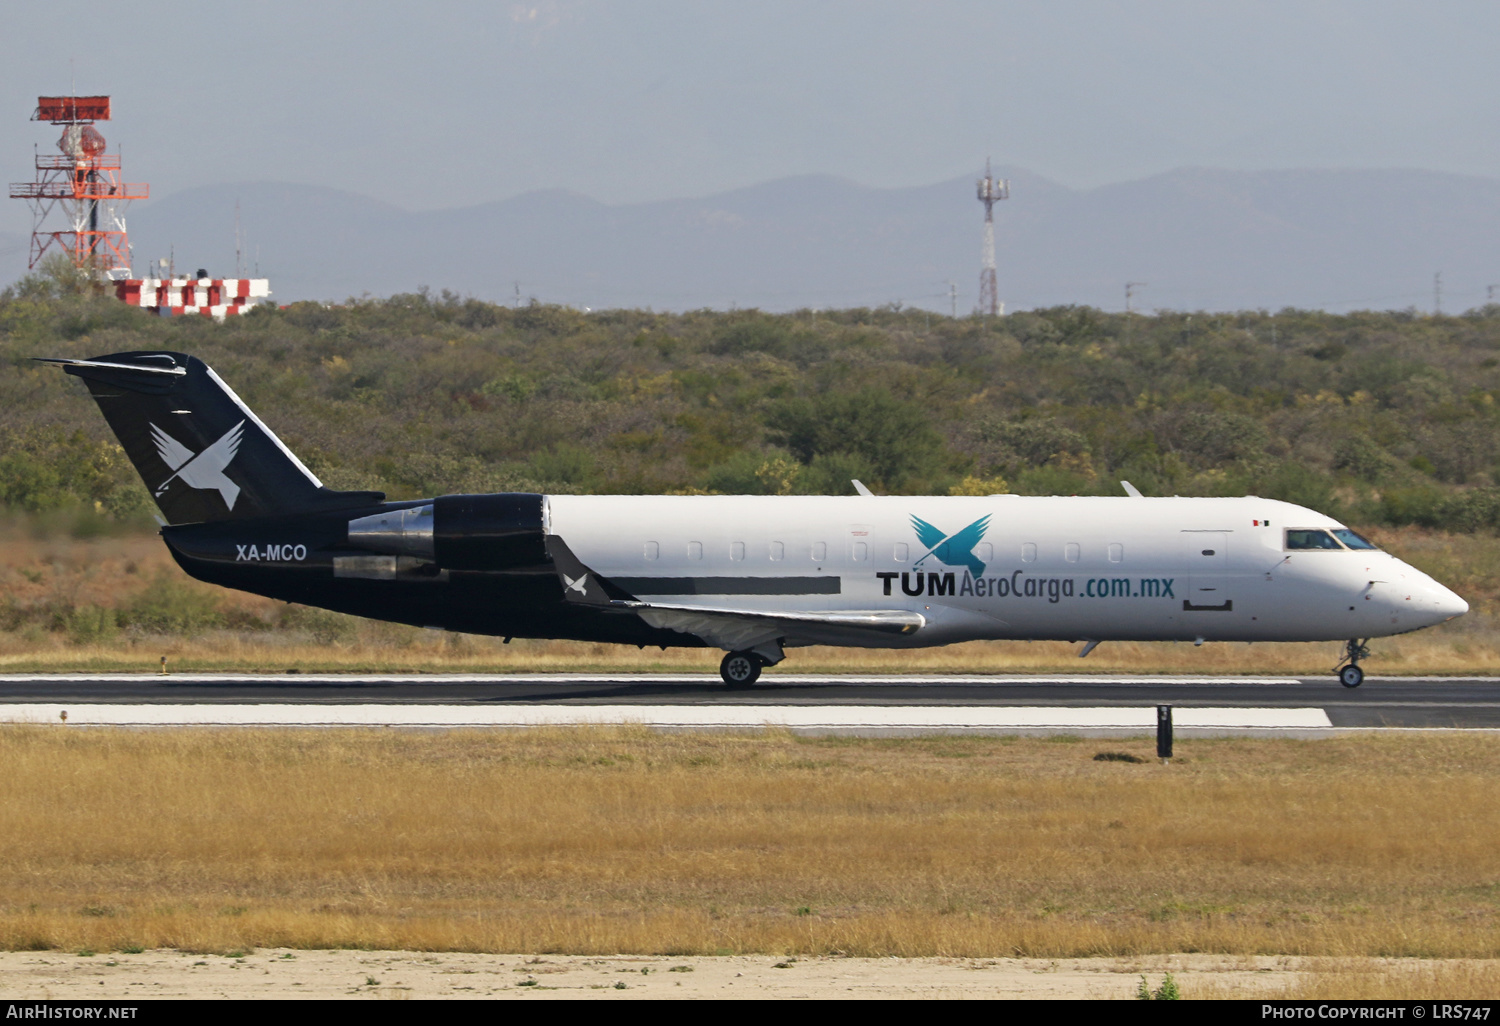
(460, 532)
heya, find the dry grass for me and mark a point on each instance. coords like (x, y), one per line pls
(1368, 979)
(43, 575)
(233, 652)
(623, 840)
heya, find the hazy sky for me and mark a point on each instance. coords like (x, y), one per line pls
(451, 103)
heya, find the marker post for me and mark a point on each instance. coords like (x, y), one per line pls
(1164, 733)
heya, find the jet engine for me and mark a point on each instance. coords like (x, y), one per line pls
(460, 532)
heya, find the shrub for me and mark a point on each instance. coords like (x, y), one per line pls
(1034, 443)
(1363, 457)
(1214, 438)
(980, 486)
(171, 605)
(88, 624)
(893, 438)
(1298, 484)
(325, 626)
(759, 334)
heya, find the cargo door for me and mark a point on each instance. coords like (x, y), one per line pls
(1206, 556)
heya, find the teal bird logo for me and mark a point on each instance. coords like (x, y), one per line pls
(955, 549)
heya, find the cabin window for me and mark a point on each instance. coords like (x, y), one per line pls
(985, 551)
(902, 552)
(820, 551)
(1028, 552)
(1299, 539)
(778, 550)
(861, 551)
(1116, 552)
(1071, 552)
(736, 550)
(652, 550)
(695, 550)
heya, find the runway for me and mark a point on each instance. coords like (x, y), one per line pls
(856, 704)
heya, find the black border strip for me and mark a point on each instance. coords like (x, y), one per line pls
(730, 585)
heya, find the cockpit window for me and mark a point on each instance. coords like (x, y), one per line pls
(1303, 539)
(1353, 540)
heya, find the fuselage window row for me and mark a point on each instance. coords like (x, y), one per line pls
(1297, 539)
(984, 551)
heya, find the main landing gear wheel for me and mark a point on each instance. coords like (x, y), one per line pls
(740, 669)
(1350, 675)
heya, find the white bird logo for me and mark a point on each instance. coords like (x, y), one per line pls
(204, 469)
(578, 584)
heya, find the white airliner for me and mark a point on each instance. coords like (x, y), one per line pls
(755, 575)
(752, 575)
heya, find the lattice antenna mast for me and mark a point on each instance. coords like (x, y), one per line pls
(239, 243)
(77, 199)
(991, 190)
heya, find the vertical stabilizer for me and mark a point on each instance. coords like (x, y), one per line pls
(202, 453)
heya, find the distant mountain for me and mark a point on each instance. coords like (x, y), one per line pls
(1199, 239)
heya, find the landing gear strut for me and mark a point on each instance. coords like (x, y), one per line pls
(740, 669)
(1350, 675)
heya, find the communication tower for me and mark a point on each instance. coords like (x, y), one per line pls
(991, 190)
(77, 199)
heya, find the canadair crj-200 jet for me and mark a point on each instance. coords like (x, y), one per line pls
(753, 575)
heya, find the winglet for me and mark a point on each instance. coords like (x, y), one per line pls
(860, 488)
(1131, 490)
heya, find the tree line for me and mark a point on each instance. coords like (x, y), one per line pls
(1377, 417)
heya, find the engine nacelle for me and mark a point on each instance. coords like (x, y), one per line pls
(460, 532)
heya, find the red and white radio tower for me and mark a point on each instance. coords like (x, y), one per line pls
(77, 199)
(991, 190)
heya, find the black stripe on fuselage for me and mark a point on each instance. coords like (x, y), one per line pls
(729, 585)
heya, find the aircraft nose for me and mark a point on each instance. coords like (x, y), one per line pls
(1437, 604)
(1450, 605)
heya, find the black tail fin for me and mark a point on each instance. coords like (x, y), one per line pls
(202, 453)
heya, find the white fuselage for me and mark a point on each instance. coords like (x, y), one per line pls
(1069, 568)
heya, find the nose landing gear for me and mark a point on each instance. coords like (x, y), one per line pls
(1350, 675)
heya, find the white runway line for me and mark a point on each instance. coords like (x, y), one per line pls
(771, 679)
(795, 717)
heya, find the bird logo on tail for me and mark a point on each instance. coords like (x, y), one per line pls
(204, 469)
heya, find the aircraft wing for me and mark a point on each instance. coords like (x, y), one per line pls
(741, 629)
(732, 628)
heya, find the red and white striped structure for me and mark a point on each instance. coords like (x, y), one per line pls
(209, 297)
(77, 199)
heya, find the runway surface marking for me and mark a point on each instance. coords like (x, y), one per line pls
(849, 680)
(804, 717)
